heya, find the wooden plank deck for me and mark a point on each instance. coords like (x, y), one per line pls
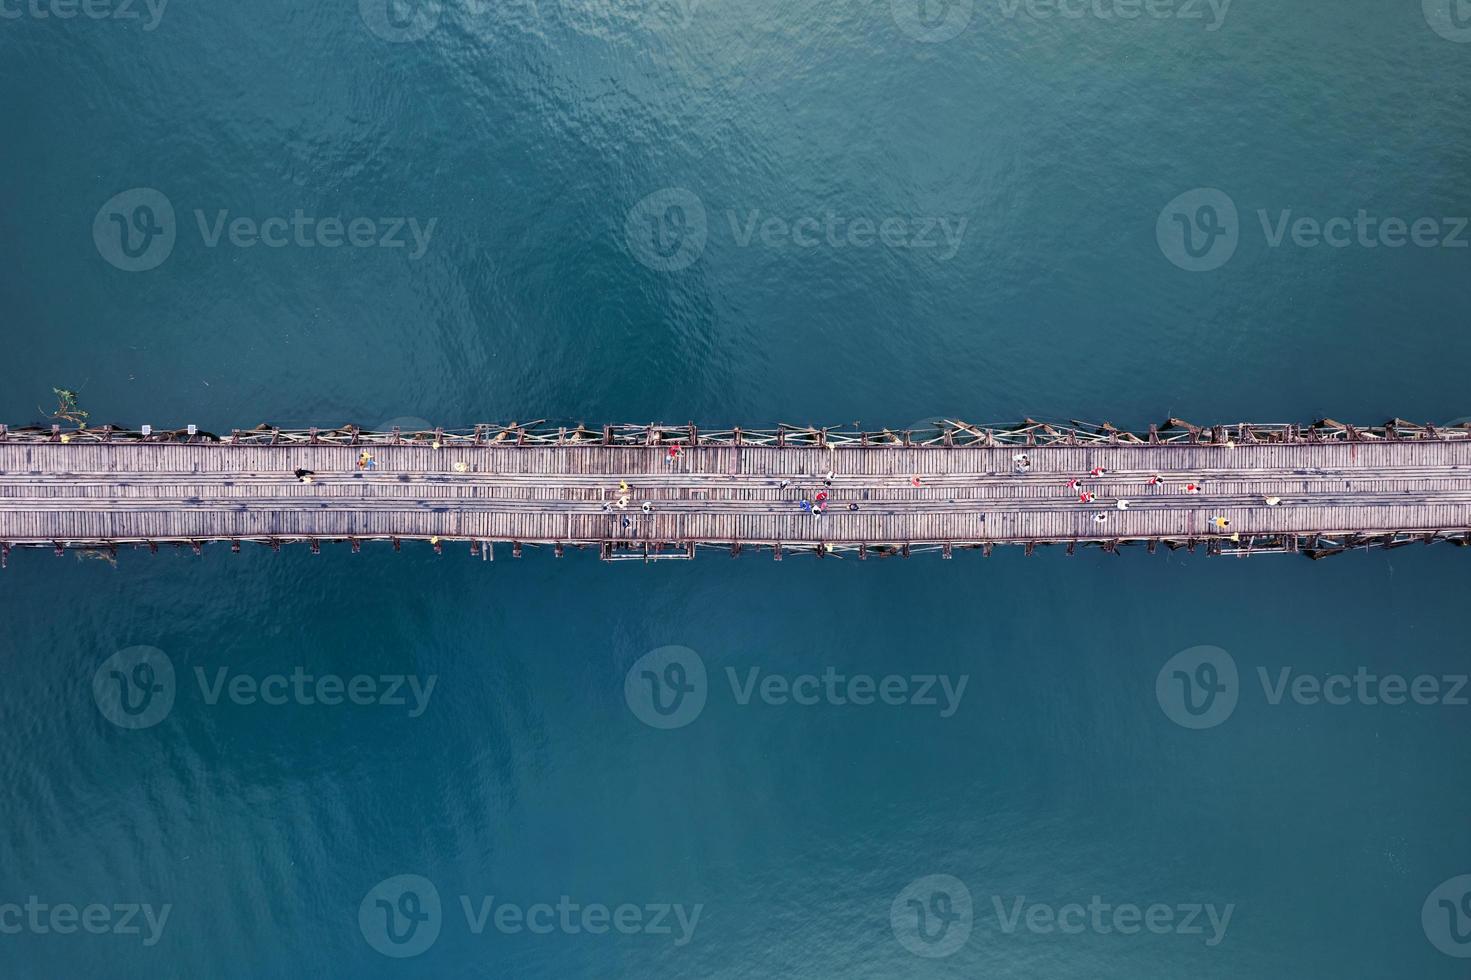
(98, 493)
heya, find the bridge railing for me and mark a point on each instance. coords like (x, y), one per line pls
(941, 433)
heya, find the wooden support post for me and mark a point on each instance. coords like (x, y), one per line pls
(945, 551)
(689, 550)
(438, 546)
(1152, 546)
(198, 547)
(474, 548)
(397, 544)
(4, 554)
(863, 552)
(357, 546)
(776, 551)
(515, 549)
(735, 549)
(275, 544)
(606, 552)
(153, 547)
(737, 436)
(1072, 548)
(60, 551)
(316, 546)
(313, 435)
(607, 435)
(781, 438)
(557, 549)
(234, 546)
(986, 549)
(694, 435)
(1030, 549)
(904, 549)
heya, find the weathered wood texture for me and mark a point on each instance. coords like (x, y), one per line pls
(95, 492)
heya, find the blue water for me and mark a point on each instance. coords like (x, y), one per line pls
(528, 133)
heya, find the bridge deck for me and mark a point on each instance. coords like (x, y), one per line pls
(129, 491)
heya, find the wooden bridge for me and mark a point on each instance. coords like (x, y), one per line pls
(1316, 489)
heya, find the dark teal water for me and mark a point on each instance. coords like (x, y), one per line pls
(529, 133)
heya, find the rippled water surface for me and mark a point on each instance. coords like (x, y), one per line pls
(736, 213)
